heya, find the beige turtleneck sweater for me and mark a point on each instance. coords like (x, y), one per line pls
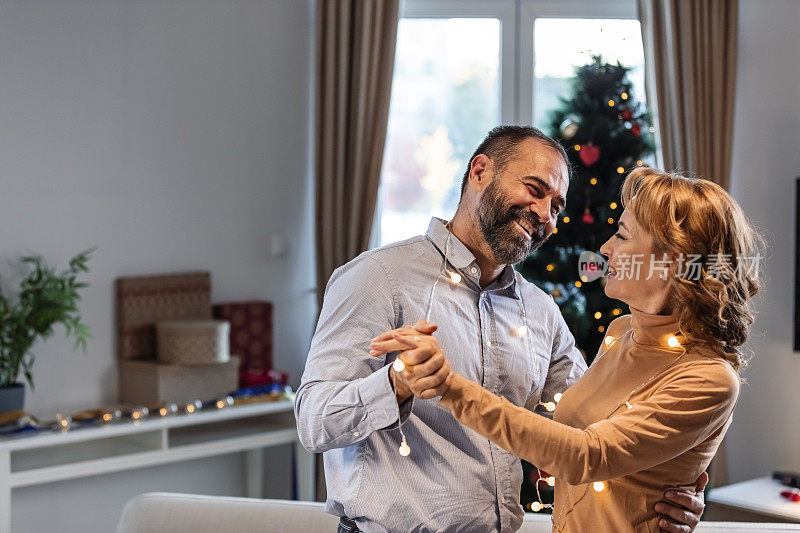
(666, 439)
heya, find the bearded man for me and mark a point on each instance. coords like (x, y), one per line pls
(349, 404)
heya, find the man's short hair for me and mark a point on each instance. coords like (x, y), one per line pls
(501, 143)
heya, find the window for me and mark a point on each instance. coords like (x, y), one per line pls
(561, 44)
(464, 66)
(445, 96)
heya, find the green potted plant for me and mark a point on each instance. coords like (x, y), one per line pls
(45, 299)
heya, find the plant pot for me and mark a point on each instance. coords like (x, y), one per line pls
(12, 397)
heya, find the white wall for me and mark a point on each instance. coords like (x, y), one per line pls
(765, 434)
(173, 134)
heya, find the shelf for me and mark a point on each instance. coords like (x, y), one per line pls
(184, 436)
(48, 438)
(76, 452)
(35, 458)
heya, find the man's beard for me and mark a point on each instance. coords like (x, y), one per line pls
(497, 221)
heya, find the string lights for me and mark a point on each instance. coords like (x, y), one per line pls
(521, 331)
(609, 342)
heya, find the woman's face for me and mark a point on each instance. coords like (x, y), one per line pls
(636, 274)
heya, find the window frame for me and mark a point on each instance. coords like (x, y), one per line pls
(517, 18)
(530, 10)
(503, 10)
(516, 60)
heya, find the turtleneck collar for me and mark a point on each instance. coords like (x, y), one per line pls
(654, 330)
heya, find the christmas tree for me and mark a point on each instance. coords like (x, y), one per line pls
(606, 133)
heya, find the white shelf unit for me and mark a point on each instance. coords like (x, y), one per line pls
(45, 457)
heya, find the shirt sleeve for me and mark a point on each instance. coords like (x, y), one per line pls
(566, 362)
(345, 394)
(683, 413)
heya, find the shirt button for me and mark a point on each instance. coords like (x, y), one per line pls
(473, 270)
(489, 344)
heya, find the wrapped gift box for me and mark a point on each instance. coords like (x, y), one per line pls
(193, 342)
(144, 300)
(250, 338)
(147, 382)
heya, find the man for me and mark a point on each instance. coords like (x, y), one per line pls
(347, 406)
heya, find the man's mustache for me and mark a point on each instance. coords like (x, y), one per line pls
(515, 213)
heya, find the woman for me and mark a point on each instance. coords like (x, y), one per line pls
(654, 406)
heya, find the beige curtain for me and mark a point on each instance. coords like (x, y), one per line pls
(355, 60)
(690, 64)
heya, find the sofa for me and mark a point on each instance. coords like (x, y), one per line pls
(163, 512)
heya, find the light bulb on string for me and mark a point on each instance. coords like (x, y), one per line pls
(398, 365)
(455, 277)
(673, 342)
(557, 397)
(598, 486)
(551, 481)
(536, 507)
(520, 331)
(405, 449)
(550, 406)
(64, 422)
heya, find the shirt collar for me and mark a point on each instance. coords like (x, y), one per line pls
(460, 257)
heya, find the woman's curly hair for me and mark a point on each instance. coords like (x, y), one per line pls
(717, 252)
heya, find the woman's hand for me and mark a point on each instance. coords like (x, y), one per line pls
(427, 373)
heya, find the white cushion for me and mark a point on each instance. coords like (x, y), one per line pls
(164, 512)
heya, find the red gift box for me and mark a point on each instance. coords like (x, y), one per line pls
(250, 338)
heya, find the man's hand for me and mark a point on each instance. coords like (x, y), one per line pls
(681, 511)
(427, 372)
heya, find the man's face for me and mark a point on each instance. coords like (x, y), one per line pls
(518, 210)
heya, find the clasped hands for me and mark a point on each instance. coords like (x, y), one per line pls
(427, 373)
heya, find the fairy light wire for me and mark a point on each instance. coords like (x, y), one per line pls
(600, 486)
(523, 331)
(405, 449)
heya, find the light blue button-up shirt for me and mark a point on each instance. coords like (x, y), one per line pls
(454, 480)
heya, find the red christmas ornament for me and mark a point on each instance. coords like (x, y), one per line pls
(636, 129)
(588, 218)
(589, 154)
(626, 114)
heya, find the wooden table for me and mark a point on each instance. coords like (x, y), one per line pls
(31, 459)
